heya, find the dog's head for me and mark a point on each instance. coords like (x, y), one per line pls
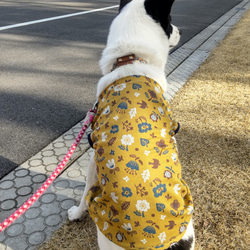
(142, 27)
(160, 10)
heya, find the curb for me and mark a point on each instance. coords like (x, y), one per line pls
(50, 211)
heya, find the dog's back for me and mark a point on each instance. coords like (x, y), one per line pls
(140, 197)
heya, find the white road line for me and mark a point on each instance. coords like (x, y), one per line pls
(55, 18)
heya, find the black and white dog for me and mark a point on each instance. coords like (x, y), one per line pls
(139, 41)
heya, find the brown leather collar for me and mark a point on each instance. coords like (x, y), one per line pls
(124, 60)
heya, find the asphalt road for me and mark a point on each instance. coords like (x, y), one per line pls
(49, 70)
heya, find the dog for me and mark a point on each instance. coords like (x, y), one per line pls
(134, 192)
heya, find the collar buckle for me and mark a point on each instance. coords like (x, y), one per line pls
(129, 59)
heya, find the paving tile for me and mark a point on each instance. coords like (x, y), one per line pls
(33, 212)
(29, 225)
(15, 230)
(36, 238)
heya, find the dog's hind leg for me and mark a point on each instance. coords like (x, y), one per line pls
(188, 240)
(104, 243)
(75, 212)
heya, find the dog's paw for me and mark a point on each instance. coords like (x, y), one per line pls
(75, 213)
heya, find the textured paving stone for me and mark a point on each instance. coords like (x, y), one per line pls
(67, 204)
(15, 230)
(48, 198)
(5, 185)
(37, 222)
(8, 204)
(53, 220)
(24, 190)
(8, 194)
(32, 213)
(50, 211)
(36, 238)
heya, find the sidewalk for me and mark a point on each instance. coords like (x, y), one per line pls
(50, 212)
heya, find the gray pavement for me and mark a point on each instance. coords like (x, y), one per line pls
(49, 70)
(50, 211)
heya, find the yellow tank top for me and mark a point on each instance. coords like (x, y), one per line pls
(140, 200)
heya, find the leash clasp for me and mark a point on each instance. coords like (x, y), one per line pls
(94, 109)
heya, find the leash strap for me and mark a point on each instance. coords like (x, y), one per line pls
(88, 120)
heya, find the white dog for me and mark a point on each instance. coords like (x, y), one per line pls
(134, 191)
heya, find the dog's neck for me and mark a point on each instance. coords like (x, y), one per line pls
(129, 59)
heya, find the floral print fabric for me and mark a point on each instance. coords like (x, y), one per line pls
(140, 200)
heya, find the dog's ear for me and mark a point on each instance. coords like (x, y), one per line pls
(160, 10)
(123, 3)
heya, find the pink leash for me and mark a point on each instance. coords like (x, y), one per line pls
(88, 120)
